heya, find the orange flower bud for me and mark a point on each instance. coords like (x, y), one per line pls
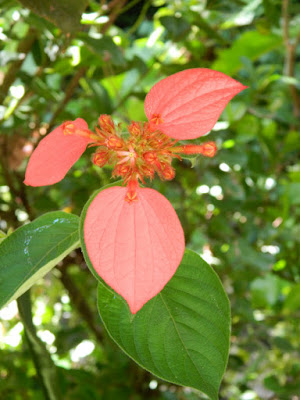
(100, 159)
(106, 123)
(150, 157)
(134, 129)
(121, 170)
(168, 173)
(114, 143)
(147, 171)
(207, 149)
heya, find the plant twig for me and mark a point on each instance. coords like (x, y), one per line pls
(68, 95)
(19, 190)
(80, 303)
(116, 10)
(45, 368)
(290, 56)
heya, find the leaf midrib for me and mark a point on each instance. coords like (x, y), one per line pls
(179, 336)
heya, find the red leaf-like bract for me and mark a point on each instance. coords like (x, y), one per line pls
(135, 248)
(187, 105)
(55, 155)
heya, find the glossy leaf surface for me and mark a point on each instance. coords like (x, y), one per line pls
(33, 250)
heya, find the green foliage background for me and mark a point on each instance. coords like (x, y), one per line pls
(240, 210)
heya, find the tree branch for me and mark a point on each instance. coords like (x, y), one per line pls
(68, 95)
(19, 190)
(78, 301)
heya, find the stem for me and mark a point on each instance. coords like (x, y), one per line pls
(69, 93)
(19, 190)
(45, 368)
(116, 7)
(141, 17)
(79, 302)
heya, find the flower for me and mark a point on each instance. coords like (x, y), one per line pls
(132, 235)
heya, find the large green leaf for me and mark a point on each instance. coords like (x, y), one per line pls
(33, 250)
(65, 14)
(182, 334)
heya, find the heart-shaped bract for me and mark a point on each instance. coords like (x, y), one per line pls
(135, 248)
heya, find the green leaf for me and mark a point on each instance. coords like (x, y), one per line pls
(176, 27)
(266, 291)
(33, 250)
(292, 301)
(250, 45)
(292, 190)
(182, 334)
(65, 14)
(104, 47)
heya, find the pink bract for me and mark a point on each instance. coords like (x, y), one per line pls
(187, 105)
(54, 156)
(136, 248)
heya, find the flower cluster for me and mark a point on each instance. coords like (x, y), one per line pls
(132, 236)
(138, 154)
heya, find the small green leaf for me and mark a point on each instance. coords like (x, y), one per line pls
(182, 334)
(33, 250)
(64, 14)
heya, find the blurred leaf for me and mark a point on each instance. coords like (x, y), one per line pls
(33, 250)
(292, 301)
(272, 11)
(266, 291)
(105, 48)
(182, 334)
(103, 101)
(177, 27)
(65, 14)
(250, 44)
(293, 192)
